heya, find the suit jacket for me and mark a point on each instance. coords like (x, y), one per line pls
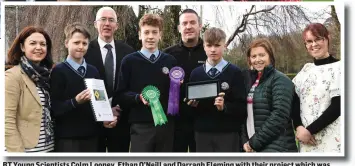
(94, 57)
(23, 111)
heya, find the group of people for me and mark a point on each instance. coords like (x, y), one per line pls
(47, 106)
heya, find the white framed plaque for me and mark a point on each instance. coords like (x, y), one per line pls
(202, 90)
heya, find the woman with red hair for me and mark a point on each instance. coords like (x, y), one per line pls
(316, 105)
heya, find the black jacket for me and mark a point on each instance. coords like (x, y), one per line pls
(188, 59)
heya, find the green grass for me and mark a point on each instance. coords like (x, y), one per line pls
(291, 75)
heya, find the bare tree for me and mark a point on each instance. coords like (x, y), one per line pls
(274, 19)
(171, 22)
(47, 18)
(334, 27)
(283, 26)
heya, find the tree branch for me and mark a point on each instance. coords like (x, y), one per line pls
(241, 28)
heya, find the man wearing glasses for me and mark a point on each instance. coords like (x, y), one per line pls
(106, 54)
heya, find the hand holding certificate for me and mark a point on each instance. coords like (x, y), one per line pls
(202, 90)
(99, 100)
(83, 96)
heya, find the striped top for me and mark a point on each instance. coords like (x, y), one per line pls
(42, 146)
(250, 110)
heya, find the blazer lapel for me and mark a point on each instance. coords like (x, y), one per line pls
(96, 58)
(119, 57)
(31, 86)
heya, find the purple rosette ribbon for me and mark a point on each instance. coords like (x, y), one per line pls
(176, 74)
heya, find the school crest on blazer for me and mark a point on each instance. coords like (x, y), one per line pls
(225, 86)
(165, 70)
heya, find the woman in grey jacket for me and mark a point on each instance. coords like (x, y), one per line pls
(268, 127)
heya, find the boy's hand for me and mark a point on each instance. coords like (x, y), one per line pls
(145, 102)
(192, 103)
(83, 96)
(112, 123)
(219, 101)
(181, 82)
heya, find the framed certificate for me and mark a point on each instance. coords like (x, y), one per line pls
(202, 90)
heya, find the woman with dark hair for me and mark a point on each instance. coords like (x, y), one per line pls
(268, 126)
(28, 124)
(316, 108)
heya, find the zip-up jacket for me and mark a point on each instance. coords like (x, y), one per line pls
(188, 58)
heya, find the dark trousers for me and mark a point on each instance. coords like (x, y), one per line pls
(184, 139)
(115, 139)
(217, 142)
(145, 137)
(86, 144)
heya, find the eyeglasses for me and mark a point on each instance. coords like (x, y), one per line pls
(104, 19)
(318, 40)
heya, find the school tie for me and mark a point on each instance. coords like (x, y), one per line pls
(81, 70)
(109, 68)
(212, 72)
(152, 58)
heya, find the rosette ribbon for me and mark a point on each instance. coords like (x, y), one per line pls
(152, 94)
(176, 74)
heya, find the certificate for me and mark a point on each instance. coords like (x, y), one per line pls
(202, 90)
(99, 100)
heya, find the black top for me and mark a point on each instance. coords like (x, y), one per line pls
(328, 116)
(208, 118)
(188, 58)
(135, 74)
(71, 119)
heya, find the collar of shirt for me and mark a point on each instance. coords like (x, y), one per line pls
(104, 51)
(147, 53)
(103, 43)
(219, 66)
(75, 65)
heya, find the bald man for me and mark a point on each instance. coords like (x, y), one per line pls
(106, 54)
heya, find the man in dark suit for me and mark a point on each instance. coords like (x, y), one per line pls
(106, 54)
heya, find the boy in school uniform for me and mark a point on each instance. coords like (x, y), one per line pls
(149, 66)
(76, 129)
(218, 120)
